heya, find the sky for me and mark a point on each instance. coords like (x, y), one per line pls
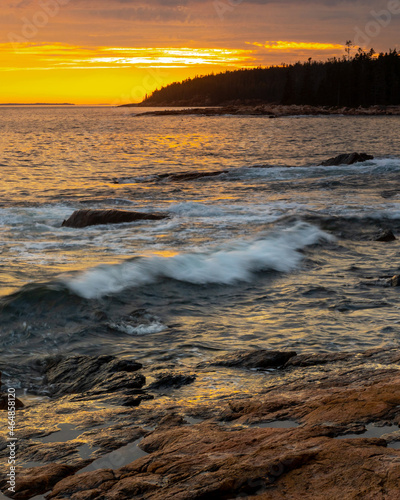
(117, 51)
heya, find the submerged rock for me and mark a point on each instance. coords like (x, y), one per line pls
(254, 359)
(84, 218)
(347, 159)
(386, 236)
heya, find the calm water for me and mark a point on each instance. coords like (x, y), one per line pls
(260, 256)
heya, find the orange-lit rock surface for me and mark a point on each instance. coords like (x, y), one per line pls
(233, 447)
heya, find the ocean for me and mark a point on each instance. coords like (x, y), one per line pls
(275, 252)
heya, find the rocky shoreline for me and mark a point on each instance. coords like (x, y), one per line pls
(275, 111)
(312, 426)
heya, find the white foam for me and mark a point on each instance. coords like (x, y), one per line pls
(231, 264)
(155, 327)
(194, 209)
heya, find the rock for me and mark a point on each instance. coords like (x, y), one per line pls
(4, 402)
(395, 281)
(215, 459)
(171, 381)
(386, 236)
(190, 176)
(254, 359)
(347, 159)
(318, 359)
(206, 462)
(84, 218)
(37, 480)
(101, 374)
(89, 482)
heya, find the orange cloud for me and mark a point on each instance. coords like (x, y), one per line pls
(56, 56)
(106, 74)
(286, 46)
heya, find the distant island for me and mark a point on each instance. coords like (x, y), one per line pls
(365, 80)
(37, 104)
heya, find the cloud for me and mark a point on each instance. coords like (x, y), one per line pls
(287, 46)
(63, 56)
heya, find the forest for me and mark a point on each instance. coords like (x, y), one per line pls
(365, 79)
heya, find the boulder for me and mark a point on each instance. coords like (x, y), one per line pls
(347, 159)
(84, 218)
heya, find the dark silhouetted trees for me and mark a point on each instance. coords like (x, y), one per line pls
(363, 80)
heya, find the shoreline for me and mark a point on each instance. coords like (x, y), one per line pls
(307, 423)
(273, 111)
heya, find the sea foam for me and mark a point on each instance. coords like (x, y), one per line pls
(234, 263)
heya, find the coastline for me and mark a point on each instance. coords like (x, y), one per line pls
(273, 111)
(305, 424)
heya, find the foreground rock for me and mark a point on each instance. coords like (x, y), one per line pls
(347, 159)
(220, 445)
(84, 218)
(255, 359)
(98, 374)
(39, 480)
(211, 460)
(171, 381)
(4, 402)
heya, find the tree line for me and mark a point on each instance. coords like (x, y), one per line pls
(366, 79)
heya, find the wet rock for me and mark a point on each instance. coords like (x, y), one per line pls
(386, 236)
(318, 359)
(347, 159)
(171, 420)
(4, 402)
(135, 401)
(254, 359)
(395, 280)
(125, 365)
(84, 218)
(226, 464)
(190, 176)
(112, 438)
(171, 381)
(37, 480)
(215, 459)
(101, 374)
(92, 483)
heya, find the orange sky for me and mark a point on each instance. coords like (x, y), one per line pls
(116, 51)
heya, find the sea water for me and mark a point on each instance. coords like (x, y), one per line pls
(276, 251)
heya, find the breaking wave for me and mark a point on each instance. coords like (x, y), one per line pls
(234, 263)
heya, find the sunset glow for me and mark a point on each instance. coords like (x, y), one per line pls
(73, 72)
(290, 46)
(108, 51)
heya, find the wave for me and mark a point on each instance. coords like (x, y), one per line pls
(269, 170)
(239, 262)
